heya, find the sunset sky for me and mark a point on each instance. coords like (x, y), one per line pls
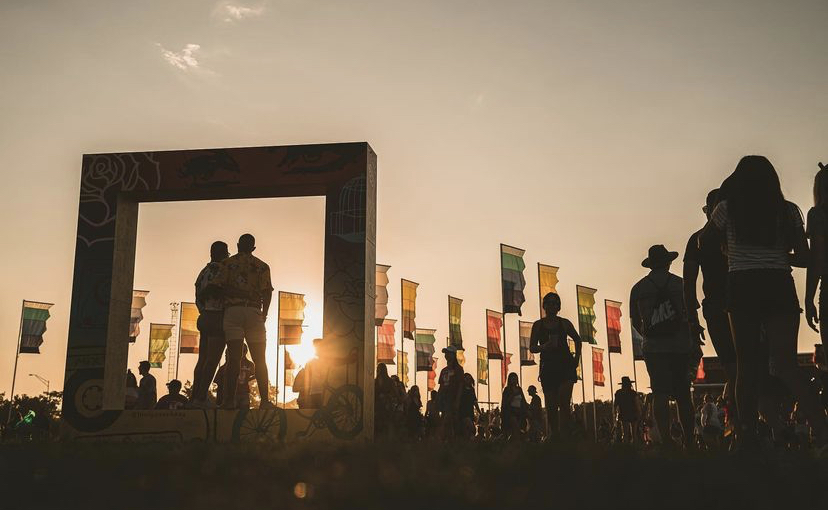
(582, 132)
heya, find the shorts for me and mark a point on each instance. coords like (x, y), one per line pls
(244, 322)
(718, 329)
(556, 370)
(762, 291)
(669, 372)
(210, 324)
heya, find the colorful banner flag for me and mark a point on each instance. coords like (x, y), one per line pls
(159, 342)
(511, 278)
(482, 365)
(136, 314)
(291, 317)
(527, 358)
(547, 282)
(578, 371)
(597, 366)
(637, 345)
(612, 309)
(385, 342)
(409, 308)
(455, 335)
(586, 314)
(432, 375)
(494, 323)
(33, 325)
(381, 298)
(504, 368)
(402, 367)
(424, 348)
(188, 332)
(700, 375)
(461, 358)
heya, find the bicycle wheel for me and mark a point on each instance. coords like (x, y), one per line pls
(344, 410)
(260, 426)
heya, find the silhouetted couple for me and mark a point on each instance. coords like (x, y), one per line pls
(233, 295)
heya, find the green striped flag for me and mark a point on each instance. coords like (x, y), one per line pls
(424, 347)
(512, 280)
(586, 314)
(33, 326)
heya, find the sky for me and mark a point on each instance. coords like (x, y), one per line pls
(582, 132)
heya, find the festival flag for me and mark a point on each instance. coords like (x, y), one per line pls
(385, 343)
(291, 317)
(586, 314)
(381, 298)
(432, 375)
(597, 366)
(455, 336)
(547, 282)
(188, 332)
(409, 308)
(482, 365)
(504, 368)
(33, 325)
(578, 372)
(136, 314)
(290, 366)
(402, 367)
(159, 342)
(612, 309)
(637, 345)
(494, 323)
(424, 348)
(700, 375)
(527, 358)
(511, 278)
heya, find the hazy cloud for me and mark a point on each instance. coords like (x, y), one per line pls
(230, 12)
(184, 59)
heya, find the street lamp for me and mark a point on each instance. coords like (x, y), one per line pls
(43, 380)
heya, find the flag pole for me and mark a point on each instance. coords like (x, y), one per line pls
(503, 309)
(178, 352)
(16, 357)
(583, 387)
(635, 377)
(278, 341)
(594, 409)
(609, 357)
(402, 329)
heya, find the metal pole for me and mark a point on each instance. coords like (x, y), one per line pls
(178, 352)
(278, 341)
(635, 377)
(16, 357)
(594, 410)
(583, 389)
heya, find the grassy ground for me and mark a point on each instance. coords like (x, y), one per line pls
(423, 476)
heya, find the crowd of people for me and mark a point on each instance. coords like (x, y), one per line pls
(745, 253)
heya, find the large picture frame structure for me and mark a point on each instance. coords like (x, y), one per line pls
(112, 187)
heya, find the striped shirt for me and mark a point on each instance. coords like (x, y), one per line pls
(742, 256)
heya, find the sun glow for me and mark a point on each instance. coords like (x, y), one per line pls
(300, 354)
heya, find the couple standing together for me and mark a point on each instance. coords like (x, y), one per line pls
(233, 295)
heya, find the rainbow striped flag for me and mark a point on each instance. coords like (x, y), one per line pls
(424, 347)
(527, 358)
(385, 342)
(586, 314)
(547, 282)
(612, 309)
(504, 368)
(381, 291)
(136, 314)
(455, 335)
(409, 308)
(597, 366)
(33, 325)
(511, 277)
(494, 323)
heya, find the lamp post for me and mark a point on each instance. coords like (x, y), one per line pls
(43, 380)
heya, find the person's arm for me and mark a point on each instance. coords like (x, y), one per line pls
(534, 338)
(573, 334)
(813, 277)
(801, 256)
(266, 298)
(690, 276)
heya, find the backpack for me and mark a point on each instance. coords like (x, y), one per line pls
(663, 318)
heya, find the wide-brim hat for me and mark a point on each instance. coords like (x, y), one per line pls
(625, 380)
(658, 255)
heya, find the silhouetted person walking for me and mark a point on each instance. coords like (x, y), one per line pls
(765, 236)
(210, 302)
(558, 366)
(514, 407)
(657, 312)
(450, 393)
(245, 283)
(147, 394)
(627, 409)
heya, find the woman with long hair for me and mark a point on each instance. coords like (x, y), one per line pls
(764, 237)
(818, 267)
(514, 408)
(558, 367)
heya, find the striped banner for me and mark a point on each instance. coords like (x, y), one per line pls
(494, 324)
(188, 334)
(34, 317)
(586, 314)
(455, 335)
(612, 310)
(504, 368)
(511, 277)
(291, 317)
(136, 314)
(385, 342)
(409, 308)
(159, 342)
(424, 348)
(597, 366)
(381, 298)
(527, 358)
(482, 365)
(547, 282)
(402, 367)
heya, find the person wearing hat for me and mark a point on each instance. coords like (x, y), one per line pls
(658, 313)
(627, 410)
(173, 399)
(450, 392)
(147, 394)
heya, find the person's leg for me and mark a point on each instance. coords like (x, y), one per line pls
(257, 354)
(684, 402)
(718, 329)
(231, 374)
(781, 330)
(564, 402)
(551, 399)
(212, 354)
(745, 327)
(198, 371)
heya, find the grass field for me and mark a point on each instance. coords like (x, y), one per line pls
(424, 476)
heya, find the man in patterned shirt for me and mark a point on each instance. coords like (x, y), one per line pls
(210, 303)
(245, 283)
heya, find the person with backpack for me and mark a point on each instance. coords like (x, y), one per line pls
(658, 313)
